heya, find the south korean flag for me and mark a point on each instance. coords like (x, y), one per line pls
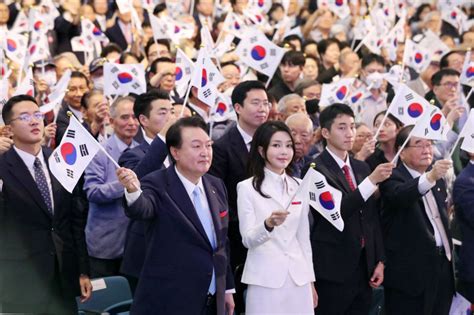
(124, 79)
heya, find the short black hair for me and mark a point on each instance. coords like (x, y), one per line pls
(330, 113)
(126, 54)
(292, 37)
(80, 75)
(438, 76)
(369, 58)
(112, 47)
(229, 63)
(293, 57)
(155, 63)
(443, 63)
(151, 41)
(390, 116)
(402, 136)
(240, 90)
(8, 107)
(159, 8)
(87, 96)
(174, 136)
(325, 43)
(142, 104)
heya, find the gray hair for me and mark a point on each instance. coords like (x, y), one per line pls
(285, 99)
(300, 119)
(120, 99)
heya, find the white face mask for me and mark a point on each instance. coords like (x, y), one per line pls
(375, 79)
(98, 83)
(49, 77)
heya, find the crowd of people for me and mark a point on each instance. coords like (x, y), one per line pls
(203, 215)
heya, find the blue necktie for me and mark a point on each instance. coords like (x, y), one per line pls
(42, 184)
(206, 221)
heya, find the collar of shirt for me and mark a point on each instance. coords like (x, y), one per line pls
(147, 139)
(76, 113)
(201, 112)
(126, 29)
(205, 21)
(471, 161)
(412, 172)
(274, 176)
(339, 161)
(247, 138)
(188, 185)
(122, 146)
(29, 159)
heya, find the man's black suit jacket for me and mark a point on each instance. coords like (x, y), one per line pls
(408, 234)
(115, 35)
(37, 248)
(336, 254)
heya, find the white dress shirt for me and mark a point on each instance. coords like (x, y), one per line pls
(247, 138)
(366, 188)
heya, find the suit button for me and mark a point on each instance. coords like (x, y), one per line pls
(52, 229)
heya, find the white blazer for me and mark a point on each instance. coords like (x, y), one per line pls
(287, 249)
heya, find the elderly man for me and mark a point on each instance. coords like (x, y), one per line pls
(301, 128)
(291, 104)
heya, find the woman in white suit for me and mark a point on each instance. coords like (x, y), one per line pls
(279, 268)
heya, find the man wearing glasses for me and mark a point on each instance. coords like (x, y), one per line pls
(418, 247)
(43, 255)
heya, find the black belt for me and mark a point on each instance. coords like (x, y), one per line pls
(440, 251)
(210, 299)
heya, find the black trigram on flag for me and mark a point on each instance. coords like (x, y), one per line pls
(83, 150)
(114, 69)
(401, 110)
(56, 157)
(71, 134)
(335, 216)
(70, 173)
(319, 185)
(253, 39)
(409, 97)
(312, 196)
(135, 85)
(272, 52)
(264, 65)
(207, 93)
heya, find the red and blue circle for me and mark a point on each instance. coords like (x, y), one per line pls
(221, 108)
(339, 2)
(418, 57)
(415, 110)
(258, 52)
(261, 3)
(179, 73)
(38, 25)
(356, 97)
(203, 78)
(325, 199)
(470, 72)
(435, 122)
(96, 31)
(341, 93)
(236, 25)
(68, 152)
(454, 15)
(124, 77)
(11, 45)
(176, 29)
(32, 49)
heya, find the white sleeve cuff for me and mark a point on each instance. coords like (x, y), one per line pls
(230, 291)
(367, 189)
(424, 184)
(132, 197)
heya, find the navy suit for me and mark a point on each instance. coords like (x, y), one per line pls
(41, 254)
(463, 195)
(413, 261)
(116, 36)
(142, 164)
(178, 266)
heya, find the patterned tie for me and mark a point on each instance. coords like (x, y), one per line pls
(206, 221)
(42, 184)
(347, 174)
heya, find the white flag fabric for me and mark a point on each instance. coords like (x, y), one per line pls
(206, 77)
(223, 44)
(374, 40)
(91, 32)
(223, 110)
(78, 43)
(234, 25)
(61, 85)
(335, 92)
(38, 48)
(468, 133)
(323, 197)
(176, 31)
(4, 87)
(15, 46)
(394, 37)
(184, 70)
(431, 125)
(259, 53)
(124, 6)
(467, 73)
(407, 105)
(206, 40)
(76, 150)
(416, 56)
(27, 85)
(434, 44)
(262, 5)
(456, 17)
(355, 98)
(53, 105)
(158, 27)
(254, 17)
(39, 22)
(122, 79)
(339, 7)
(21, 24)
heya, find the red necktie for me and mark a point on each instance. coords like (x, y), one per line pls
(347, 174)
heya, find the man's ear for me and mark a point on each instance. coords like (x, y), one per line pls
(174, 153)
(325, 133)
(237, 108)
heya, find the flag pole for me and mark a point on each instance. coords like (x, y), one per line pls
(302, 184)
(186, 98)
(469, 94)
(395, 158)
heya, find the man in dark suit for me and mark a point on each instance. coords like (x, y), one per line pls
(155, 114)
(186, 269)
(463, 195)
(43, 255)
(121, 32)
(348, 263)
(419, 273)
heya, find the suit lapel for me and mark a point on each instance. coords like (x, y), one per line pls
(20, 171)
(56, 186)
(215, 206)
(178, 193)
(334, 171)
(239, 146)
